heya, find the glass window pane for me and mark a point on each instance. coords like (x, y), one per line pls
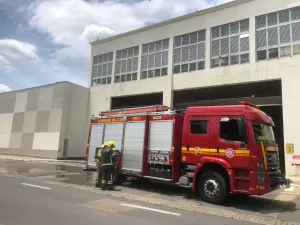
(130, 52)
(123, 78)
(134, 76)
(261, 21)
(245, 58)
(166, 44)
(193, 52)
(95, 60)
(100, 60)
(177, 41)
(128, 77)
(284, 16)
(215, 48)
(296, 49)
(157, 73)
(272, 19)
(224, 61)
(272, 36)
(152, 47)
(201, 51)
(145, 49)
(150, 73)
(261, 39)
(234, 60)
(234, 28)
(184, 68)
(158, 45)
(244, 44)
(215, 32)
(295, 13)
(214, 63)
(144, 75)
(285, 51)
(117, 79)
(201, 65)
(285, 34)
(296, 31)
(177, 55)
(225, 30)
(194, 38)
(273, 53)
(177, 69)
(185, 54)
(201, 36)
(262, 55)
(244, 26)
(103, 81)
(193, 66)
(164, 71)
(225, 46)
(186, 39)
(158, 59)
(108, 80)
(234, 44)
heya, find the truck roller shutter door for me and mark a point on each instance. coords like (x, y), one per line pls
(114, 132)
(133, 146)
(95, 141)
(161, 133)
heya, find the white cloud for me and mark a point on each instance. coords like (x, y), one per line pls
(72, 24)
(4, 88)
(5, 65)
(18, 50)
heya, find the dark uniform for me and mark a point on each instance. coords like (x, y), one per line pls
(107, 167)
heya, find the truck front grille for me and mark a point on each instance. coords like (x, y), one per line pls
(273, 163)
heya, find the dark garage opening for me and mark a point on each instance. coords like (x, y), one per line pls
(267, 95)
(136, 100)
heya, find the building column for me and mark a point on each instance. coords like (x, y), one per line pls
(168, 89)
(252, 40)
(139, 62)
(291, 123)
(207, 48)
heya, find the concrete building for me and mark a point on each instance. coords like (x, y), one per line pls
(48, 121)
(245, 49)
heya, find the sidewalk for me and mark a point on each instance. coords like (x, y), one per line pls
(76, 163)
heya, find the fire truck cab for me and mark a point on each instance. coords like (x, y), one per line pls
(215, 150)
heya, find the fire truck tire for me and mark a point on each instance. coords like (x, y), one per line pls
(213, 188)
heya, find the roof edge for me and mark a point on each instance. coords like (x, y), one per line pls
(173, 20)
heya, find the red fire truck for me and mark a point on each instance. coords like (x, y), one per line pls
(215, 150)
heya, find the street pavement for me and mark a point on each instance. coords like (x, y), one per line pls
(37, 193)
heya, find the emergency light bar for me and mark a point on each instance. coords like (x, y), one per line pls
(136, 110)
(249, 104)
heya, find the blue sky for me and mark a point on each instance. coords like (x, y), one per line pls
(46, 41)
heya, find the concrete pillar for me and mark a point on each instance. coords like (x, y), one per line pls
(252, 40)
(113, 67)
(291, 106)
(207, 48)
(139, 62)
(168, 90)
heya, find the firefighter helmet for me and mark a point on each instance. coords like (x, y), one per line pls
(112, 144)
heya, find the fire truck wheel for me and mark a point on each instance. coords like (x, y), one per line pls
(213, 188)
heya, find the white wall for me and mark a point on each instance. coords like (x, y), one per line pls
(77, 121)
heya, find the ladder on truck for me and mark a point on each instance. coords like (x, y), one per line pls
(97, 131)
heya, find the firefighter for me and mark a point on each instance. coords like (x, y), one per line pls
(98, 165)
(107, 165)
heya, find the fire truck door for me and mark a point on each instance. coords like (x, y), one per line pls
(231, 140)
(198, 137)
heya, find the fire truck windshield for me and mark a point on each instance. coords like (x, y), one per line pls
(263, 132)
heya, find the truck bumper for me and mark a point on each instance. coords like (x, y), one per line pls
(262, 183)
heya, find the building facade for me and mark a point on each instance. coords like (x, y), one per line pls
(245, 49)
(48, 121)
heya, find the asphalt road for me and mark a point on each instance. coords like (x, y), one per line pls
(24, 202)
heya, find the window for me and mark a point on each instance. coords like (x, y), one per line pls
(102, 69)
(155, 58)
(198, 127)
(262, 131)
(230, 44)
(233, 129)
(277, 33)
(189, 52)
(126, 64)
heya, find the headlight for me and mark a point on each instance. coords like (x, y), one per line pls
(260, 165)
